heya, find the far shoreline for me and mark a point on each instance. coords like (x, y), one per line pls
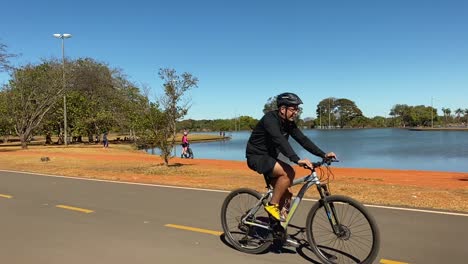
(438, 129)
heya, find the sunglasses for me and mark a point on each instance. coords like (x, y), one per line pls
(293, 108)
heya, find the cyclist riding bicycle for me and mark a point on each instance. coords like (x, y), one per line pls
(268, 139)
(185, 144)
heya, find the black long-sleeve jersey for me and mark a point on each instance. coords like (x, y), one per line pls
(270, 137)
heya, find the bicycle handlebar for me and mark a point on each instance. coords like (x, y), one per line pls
(325, 161)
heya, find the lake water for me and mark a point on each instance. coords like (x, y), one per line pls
(364, 148)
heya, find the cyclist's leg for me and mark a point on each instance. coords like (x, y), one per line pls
(184, 149)
(282, 178)
(285, 202)
(278, 173)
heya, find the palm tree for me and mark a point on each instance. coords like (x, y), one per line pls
(458, 112)
(466, 116)
(446, 112)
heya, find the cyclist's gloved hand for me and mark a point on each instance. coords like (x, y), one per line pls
(305, 163)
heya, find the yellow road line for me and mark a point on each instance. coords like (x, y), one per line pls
(87, 211)
(386, 261)
(194, 229)
(6, 196)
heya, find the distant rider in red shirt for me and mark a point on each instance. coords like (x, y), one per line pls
(185, 144)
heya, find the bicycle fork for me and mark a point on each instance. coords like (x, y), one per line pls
(330, 210)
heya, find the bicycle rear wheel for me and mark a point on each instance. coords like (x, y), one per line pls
(358, 238)
(244, 237)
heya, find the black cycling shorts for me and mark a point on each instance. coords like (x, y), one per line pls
(262, 164)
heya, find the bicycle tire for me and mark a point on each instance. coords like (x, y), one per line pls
(350, 246)
(247, 239)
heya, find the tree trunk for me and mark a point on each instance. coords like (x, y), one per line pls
(48, 139)
(60, 139)
(24, 142)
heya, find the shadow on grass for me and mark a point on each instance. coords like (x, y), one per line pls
(173, 165)
(8, 150)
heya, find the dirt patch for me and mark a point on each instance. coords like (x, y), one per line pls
(423, 189)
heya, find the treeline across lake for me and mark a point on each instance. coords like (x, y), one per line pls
(343, 113)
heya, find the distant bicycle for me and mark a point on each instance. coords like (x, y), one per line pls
(339, 228)
(188, 154)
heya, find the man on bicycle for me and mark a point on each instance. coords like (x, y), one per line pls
(268, 139)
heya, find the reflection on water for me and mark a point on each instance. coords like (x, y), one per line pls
(365, 148)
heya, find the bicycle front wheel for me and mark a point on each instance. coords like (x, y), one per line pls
(245, 237)
(352, 237)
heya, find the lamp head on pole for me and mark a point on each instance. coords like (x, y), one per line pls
(62, 36)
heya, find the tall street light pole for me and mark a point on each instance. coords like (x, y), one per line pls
(432, 112)
(320, 116)
(63, 37)
(329, 112)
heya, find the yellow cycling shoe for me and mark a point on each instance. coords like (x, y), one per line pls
(274, 211)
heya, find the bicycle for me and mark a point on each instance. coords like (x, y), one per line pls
(339, 229)
(188, 154)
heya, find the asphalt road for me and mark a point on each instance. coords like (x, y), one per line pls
(51, 220)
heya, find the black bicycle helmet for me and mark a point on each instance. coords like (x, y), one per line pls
(288, 99)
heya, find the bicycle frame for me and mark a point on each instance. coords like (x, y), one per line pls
(309, 181)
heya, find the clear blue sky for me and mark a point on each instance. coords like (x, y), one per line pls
(376, 53)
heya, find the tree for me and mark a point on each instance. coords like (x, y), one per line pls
(347, 111)
(173, 108)
(270, 105)
(132, 106)
(360, 122)
(5, 64)
(326, 111)
(458, 112)
(447, 113)
(378, 121)
(152, 123)
(31, 93)
(465, 116)
(402, 114)
(100, 99)
(420, 115)
(247, 123)
(95, 100)
(6, 121)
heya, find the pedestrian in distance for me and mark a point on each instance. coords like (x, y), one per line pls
(105, 140)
